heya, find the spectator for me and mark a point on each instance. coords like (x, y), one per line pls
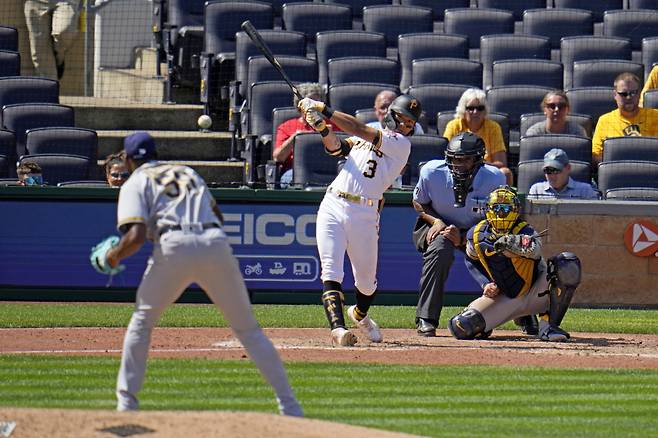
(282, 152)
(559, 183)
(116, 171)
(29, 174)
(555, 105)
(382, 102)
(650, 84)
(471, 116)
(52, 27)
(628, 120)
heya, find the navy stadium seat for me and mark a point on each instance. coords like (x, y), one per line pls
(475, 23)
(395, 20)
(7, 150)
(540, 72)
(630, 148)
(312, 166)
(57, 168)
(10, 63)
(298, 69)
(558, 23)
(633, 24)
(504, 47)
(363, 69)
(535, 147)
(602, 72)
(625, 174)
(597, 7)
(62, 140)
(8, 38)
(514, 6)
(589, 47)
(353, 96)
(25, 89)
(449, 70)
(435, 98)
(593, 101)
(424, 147)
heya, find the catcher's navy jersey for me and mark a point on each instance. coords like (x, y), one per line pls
(513, 275)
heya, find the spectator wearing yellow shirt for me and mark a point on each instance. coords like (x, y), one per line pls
(628, 120)
(650, 84)
(471, 116)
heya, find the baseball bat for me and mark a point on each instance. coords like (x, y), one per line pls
(255, 37)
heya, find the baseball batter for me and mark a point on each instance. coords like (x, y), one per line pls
(348, 218)
(503, 254)
(171, 205)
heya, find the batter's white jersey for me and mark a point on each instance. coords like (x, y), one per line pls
(371, 169)
(159, 194)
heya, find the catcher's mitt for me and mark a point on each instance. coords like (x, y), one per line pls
(98, 257)
(520, 245)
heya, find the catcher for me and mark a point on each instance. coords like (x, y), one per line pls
(503, 254)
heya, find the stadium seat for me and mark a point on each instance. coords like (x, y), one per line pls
(475, 23)
(449, 70)
(8, 38)
(527, 120)
(10, 63)
(280, 115)
(535, 147)
(311, 18)
(651, 99)
(630, 148)
(366, 115)
(428, 45)
(514, 6)
(504, 47)
(353, 96)
(438, 6)
(641, 4)
(515, 100)
(395, 20)
(558, 23)
(62, 140)
(633, 24)
(597, 7)
(424, 147)
(588, 47)
(312, 166)
(7, 150)
(540, 72)
(263, 97)
(84, 183)
(298, 69)
(632, 194)
(530, 172)
(593, 101)
(25, 89)
(625, 174)
(357, 8)
(602, 72)
(435, 98)
(19, 118)
(341, 43)
(649, 54)
(363, 69)
(57, 168)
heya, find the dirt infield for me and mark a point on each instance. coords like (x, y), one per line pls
(400, 346)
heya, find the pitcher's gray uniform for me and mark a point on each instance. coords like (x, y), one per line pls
(190, 246)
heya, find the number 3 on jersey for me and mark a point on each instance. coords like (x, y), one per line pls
(372, 168)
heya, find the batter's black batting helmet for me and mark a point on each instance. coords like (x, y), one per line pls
(406, 105)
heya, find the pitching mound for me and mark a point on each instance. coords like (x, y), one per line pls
(39, 423)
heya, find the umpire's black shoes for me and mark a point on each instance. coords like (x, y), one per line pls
(529, 324)
(425, 327)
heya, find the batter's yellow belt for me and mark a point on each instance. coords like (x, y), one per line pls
(357, 199)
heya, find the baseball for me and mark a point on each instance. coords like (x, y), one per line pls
(204, 121)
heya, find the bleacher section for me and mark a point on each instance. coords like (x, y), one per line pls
(159, 65)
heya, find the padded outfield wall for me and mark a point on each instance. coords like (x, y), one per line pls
(46, 235)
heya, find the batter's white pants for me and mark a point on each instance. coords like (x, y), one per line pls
(205, 258)
(344, 226)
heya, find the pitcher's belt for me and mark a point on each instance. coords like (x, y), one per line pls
(357, 199)
(187, 227)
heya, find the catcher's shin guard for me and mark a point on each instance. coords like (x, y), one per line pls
(467, 324)
(563, 278)
(332, 301)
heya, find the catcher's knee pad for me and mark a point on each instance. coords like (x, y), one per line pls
(467, 325)
(564, 273)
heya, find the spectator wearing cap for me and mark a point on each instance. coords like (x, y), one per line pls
(559, 183)
(555, 106)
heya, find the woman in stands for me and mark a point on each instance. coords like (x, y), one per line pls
(555, 106)
(116, 172)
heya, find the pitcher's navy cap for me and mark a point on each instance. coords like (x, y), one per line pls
(139, 146)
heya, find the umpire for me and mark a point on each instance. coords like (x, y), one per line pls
(449, 198)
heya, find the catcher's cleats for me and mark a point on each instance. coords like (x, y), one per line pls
(553, 333)
(367, 326)
(342, 337)
(98, 257)
(529, 324)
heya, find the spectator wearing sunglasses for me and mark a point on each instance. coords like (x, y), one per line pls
(471, 116)
(555, 106)
(116, 171)
(628, 120)
(559, 183)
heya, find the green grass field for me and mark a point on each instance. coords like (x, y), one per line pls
(427, 400)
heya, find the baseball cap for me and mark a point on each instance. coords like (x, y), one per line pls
(556, 158)
(139, 146)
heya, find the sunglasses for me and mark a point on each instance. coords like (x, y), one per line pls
(632, 93)
(551, 171)
(555, 106)
(123, 175)
(480, 108)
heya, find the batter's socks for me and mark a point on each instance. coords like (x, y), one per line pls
(363, 303)
(332, 301)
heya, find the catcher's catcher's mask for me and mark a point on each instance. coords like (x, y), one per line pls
(503, 209)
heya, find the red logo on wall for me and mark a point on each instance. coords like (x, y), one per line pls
(641, 238)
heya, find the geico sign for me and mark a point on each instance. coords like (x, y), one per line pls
(269, 229)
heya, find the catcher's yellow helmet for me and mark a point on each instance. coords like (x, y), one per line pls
(503, 209)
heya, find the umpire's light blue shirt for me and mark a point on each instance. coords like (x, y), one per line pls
(573, 189)
(435, 187)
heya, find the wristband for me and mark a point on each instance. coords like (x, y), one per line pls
(327, 112)
(324, 132)
(435, 221)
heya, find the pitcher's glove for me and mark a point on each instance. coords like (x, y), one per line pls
(316, 121)
(518, 245)
(98, 257)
